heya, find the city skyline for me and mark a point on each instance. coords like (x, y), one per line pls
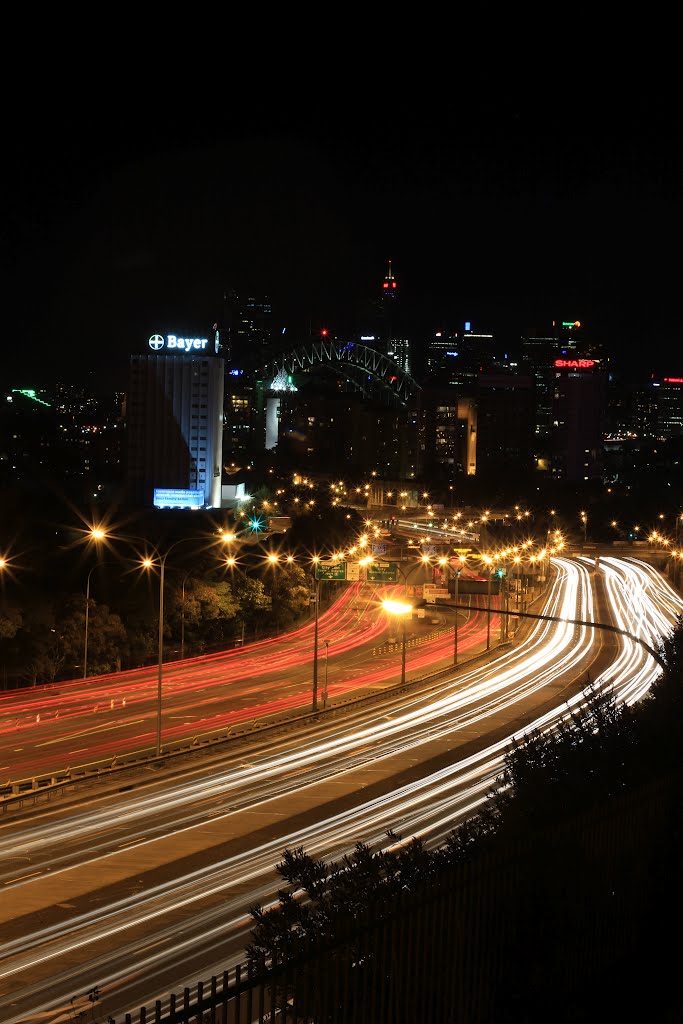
(506, 212)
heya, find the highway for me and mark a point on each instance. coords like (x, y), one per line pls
(60, 726)
(144, 891)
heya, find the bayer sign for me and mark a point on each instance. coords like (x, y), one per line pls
(172, 343)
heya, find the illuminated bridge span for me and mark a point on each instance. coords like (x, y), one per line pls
(370, 372)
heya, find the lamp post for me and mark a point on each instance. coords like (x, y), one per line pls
(327, 654)
(87, 611)
(182, 617)
(231, 563)
(161, 647)
(148, 563)
(444, 561)
(504, 611)
(95, 535)
(423, 560)
(3, 567)
(584, 520)
(488, 560)
(399, 608)
(316, 598)
(488, 611)
(455, 631)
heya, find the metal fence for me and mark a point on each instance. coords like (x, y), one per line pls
(530, 922)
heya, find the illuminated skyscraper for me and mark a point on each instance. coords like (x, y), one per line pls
(388, 301)
(174, 415)
(579, 416)
(396, 348)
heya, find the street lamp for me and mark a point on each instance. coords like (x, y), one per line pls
(401, 609)
(96, 534)
(488, 560)
(316, 599)
(444, 561)
(4, 566)
(232, 563)
(584, 520)
(148, 563)
(182, 616)
(423, 560)
(456, 599)
(327, 655)
(87, 611)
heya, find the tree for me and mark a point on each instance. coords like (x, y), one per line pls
(107, 639)
(289, 586)
(11, 621)
(59, 648)
(254, 602)
(210, 611)
(361, 879)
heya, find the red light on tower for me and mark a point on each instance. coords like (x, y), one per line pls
(324, 332)
(389, 283)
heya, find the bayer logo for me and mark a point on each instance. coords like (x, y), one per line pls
(156, 342)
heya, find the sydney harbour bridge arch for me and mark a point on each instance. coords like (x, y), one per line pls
(368, 371)
(376, 379)
(404, 438)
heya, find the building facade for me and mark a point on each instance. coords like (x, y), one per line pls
(579, 416)
(174, 415)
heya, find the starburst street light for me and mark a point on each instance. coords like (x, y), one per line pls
(256, 524)
(402, 610)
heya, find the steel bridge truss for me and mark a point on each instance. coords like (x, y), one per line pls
(366, 369)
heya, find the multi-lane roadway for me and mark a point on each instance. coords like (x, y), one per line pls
(50, 729)
(143, 891)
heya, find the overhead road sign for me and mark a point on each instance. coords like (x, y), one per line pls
(382, 572)
(330, 571)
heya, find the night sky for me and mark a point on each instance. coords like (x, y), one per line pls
(508, 210)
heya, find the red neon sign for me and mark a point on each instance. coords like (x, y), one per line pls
(574, 364)
(673, 380)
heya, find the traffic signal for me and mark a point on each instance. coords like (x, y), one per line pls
(500, 572)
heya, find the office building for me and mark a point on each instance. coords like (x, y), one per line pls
(667, 398)
(174, 414)
(579, 417)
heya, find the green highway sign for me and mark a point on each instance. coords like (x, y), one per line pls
(330, 571)
(382, 572)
